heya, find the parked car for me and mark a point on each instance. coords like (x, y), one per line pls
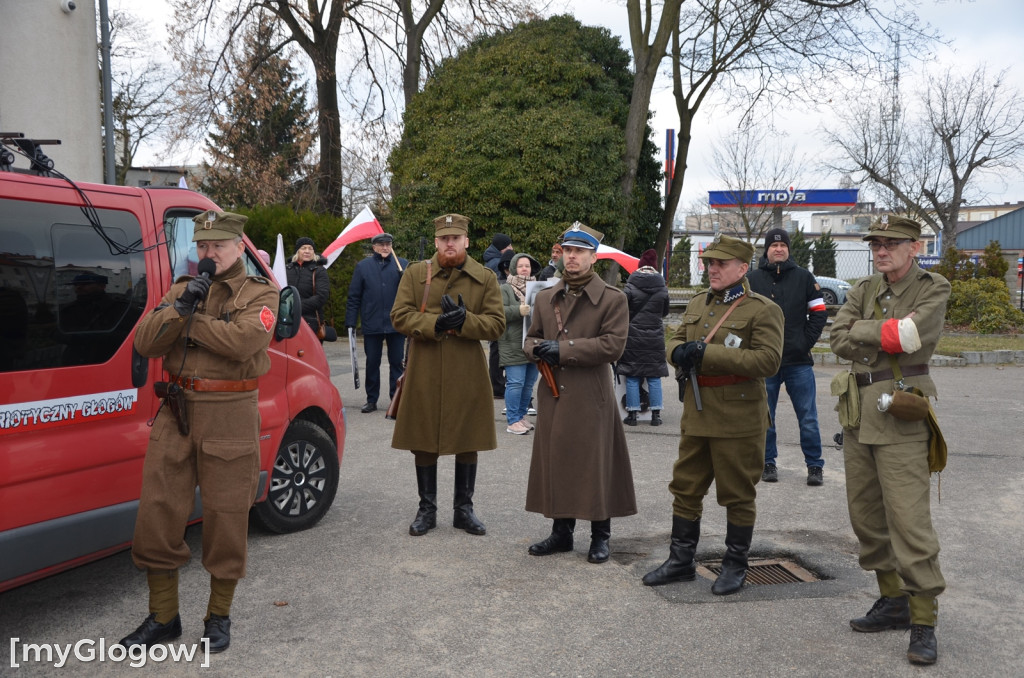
(75, 398)
(833, 290)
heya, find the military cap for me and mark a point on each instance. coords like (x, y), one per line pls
(215, 225)
(451, 224)
(725, 247)
(580, 235)
(894, 227)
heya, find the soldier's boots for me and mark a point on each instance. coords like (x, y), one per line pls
(924, 649)
(560, 539)
(680, 565)
(426, 516)
(885, 615)
(734, 564)
(600, 533)
(465, 485)
(163, 604)
(770, 474)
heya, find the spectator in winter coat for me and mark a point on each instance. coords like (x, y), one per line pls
(644, 358)
(520, 371)
(307, 272)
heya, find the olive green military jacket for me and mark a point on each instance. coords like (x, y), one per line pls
(229, 333)
(856, 335)
(748, 344)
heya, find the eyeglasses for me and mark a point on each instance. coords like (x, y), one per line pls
(888, 245)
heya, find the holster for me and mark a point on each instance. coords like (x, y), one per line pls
(174, 397)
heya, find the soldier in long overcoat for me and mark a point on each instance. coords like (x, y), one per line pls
(213, 334)
(446, 405)
(887, 480)
(580, 466)
(731, 339)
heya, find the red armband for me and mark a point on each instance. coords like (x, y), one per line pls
(891, 336)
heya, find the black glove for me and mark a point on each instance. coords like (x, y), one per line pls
(452, 317)
(689, 356)
(196, 290)
(547, 351)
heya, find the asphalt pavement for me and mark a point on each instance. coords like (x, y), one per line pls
(358, 596)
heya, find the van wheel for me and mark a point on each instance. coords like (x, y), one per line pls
(303, 481)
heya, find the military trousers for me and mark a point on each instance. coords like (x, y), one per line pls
(734, 464)
(888, 490)
(220, 455)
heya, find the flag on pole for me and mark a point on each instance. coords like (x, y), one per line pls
(182, 183)
(626, 261)
(364, 226)
(278, 267)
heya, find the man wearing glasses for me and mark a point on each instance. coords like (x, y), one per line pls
(898, 313)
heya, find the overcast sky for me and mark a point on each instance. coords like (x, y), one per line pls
(981, 31)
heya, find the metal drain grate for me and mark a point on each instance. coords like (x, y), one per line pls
(762, 572)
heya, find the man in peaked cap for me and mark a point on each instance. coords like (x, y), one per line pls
(798, 294)
(891, 322)
(446, 406)
(580, 465)
(212, 333)
(732, 338)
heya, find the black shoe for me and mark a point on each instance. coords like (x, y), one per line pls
(426, 516)
(734, 564)
(559, 541)
(680, 565)
(655, 417)
(218, 631)
(924, 649)
(465, 485)
(814, 476)
(770, 474)
(885, 615)
(600, 533)
(151, 631)
(369, 407)
(630, 419)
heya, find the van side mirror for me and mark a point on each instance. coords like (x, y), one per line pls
(289, 314)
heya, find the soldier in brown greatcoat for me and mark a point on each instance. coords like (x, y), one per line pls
(213, 334)
(580, 466)
(723, 443)
(446, 405)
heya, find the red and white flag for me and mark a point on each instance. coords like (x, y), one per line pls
(626, 261)
(364, 226)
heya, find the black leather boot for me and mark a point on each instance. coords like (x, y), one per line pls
(426, 517)
(630, 419)
(465, 483)
(924, 649)
(886, 614)
(600, 533)
(679, 566)
(151, 631)
(218, 629)
(734, 564)
(655, 417)
(559, 541)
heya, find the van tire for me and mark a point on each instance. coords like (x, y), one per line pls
(303, 480)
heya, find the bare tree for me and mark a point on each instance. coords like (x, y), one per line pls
(963, 125)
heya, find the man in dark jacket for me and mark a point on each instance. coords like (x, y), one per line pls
(795, 290)
(371, 294)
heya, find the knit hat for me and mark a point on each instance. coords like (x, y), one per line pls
(775, 235)
(501, 241)
(304, 240)
(649, 258)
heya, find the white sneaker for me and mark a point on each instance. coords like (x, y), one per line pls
(503, 410)
(531, 411)
(516, 429)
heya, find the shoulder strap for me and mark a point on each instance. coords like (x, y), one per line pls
(426, 288)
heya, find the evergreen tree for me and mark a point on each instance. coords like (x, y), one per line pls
(800, 249)
(825, 255)
(679, 264)
(261, 141)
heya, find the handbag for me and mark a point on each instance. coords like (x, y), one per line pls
(392, 411)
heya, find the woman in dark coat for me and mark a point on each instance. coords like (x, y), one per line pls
(644, 357)
(307, 272)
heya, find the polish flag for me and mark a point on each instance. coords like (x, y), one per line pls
(364, 226)
(626, 261)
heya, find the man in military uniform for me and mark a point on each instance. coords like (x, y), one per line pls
(730, 340)
(213, 334)
(446, 406)
(897, 313)
(579, 328)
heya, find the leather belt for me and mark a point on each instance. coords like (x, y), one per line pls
(727, 380)
(225, 385)
(868, 378)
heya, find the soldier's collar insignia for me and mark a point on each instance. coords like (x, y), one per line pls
(733, 294)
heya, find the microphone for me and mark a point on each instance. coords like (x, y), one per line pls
(206, 269)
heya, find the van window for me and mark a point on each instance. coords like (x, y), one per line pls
(178, 231)
(69, 294)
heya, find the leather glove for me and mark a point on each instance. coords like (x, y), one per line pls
(196, 290)
(452, 317)
(547, 351)
(524, 310)
(689, 355)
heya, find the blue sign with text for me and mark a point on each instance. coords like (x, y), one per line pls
(790, 198)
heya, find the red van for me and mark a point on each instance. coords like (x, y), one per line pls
(80, 264)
